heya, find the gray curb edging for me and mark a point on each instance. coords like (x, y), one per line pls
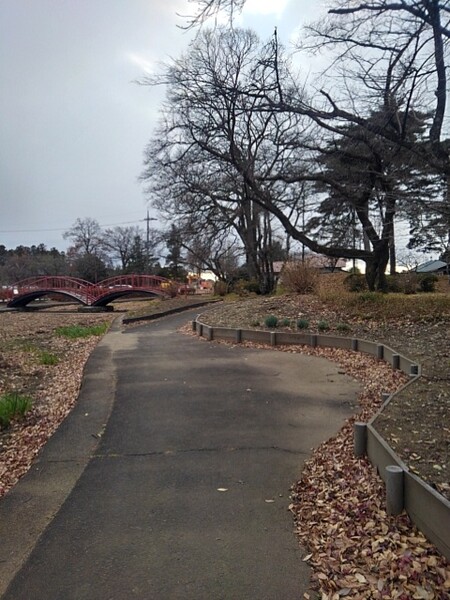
(428, 509)
(171, 311)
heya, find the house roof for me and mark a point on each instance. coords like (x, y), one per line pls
(431, 266)
(314, 260)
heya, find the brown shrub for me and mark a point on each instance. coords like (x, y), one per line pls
(300, 277)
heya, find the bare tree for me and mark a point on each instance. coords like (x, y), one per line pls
(391, 55)
(209, 124)
(119, 242)
(86, 236)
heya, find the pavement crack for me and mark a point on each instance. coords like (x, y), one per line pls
(226, 449)
(174, 452)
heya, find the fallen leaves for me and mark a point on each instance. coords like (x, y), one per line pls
(415, 326)
(355, 549)
(54, 389)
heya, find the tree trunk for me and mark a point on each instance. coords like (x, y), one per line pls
(376, 267)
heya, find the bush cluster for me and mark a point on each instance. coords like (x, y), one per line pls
(220, 288)
(403, 283)
(355, 283)
(300, 277)
(427, 283)
(245, 287)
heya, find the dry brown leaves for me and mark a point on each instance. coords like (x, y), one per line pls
(355, 549)
(418, 327)
(54, 389)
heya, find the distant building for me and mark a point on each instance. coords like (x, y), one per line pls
(432, 266)
(202, 283)
(325, 264)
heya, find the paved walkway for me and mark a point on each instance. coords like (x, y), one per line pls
(170, 479)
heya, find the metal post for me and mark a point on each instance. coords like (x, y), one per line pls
(394, 490)
(359, 439)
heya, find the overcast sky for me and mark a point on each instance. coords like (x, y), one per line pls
(73, 124)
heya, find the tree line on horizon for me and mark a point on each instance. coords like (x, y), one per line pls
(94, 254)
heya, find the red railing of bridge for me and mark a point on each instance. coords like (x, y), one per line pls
(86, 292)
(132, 281)
(72, 286)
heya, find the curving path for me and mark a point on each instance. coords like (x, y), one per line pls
(135, 511)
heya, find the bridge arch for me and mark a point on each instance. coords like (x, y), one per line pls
(114, 295)
(89, 294)
(23, 299)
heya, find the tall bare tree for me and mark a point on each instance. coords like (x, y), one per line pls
(391, 55)
(209, 127)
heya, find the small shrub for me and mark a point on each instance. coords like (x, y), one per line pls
(220, 288)
(244, 287)
(355, 271)
(427, 283)
(303, 324)
(238, 287)
(355, 283)
(286, 322)
(13, 406)
(47, 358)
(323, 325)
(393, 284)
(409, 283)
(271, 321)
(78, 331)
(300, 277)
(252, 287)
(343, 327)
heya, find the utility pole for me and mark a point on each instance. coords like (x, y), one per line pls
(147, 241)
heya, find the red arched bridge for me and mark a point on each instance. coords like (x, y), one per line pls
(89, 294)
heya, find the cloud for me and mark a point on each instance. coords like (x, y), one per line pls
(144, 64)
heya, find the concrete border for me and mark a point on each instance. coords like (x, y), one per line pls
(172, 311)
(428, 509)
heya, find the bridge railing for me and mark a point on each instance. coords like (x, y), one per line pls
(74, 286)
(90, 293)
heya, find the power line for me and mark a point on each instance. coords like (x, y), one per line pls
(67, 228)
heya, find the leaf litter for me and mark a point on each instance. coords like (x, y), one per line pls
(354, 548)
